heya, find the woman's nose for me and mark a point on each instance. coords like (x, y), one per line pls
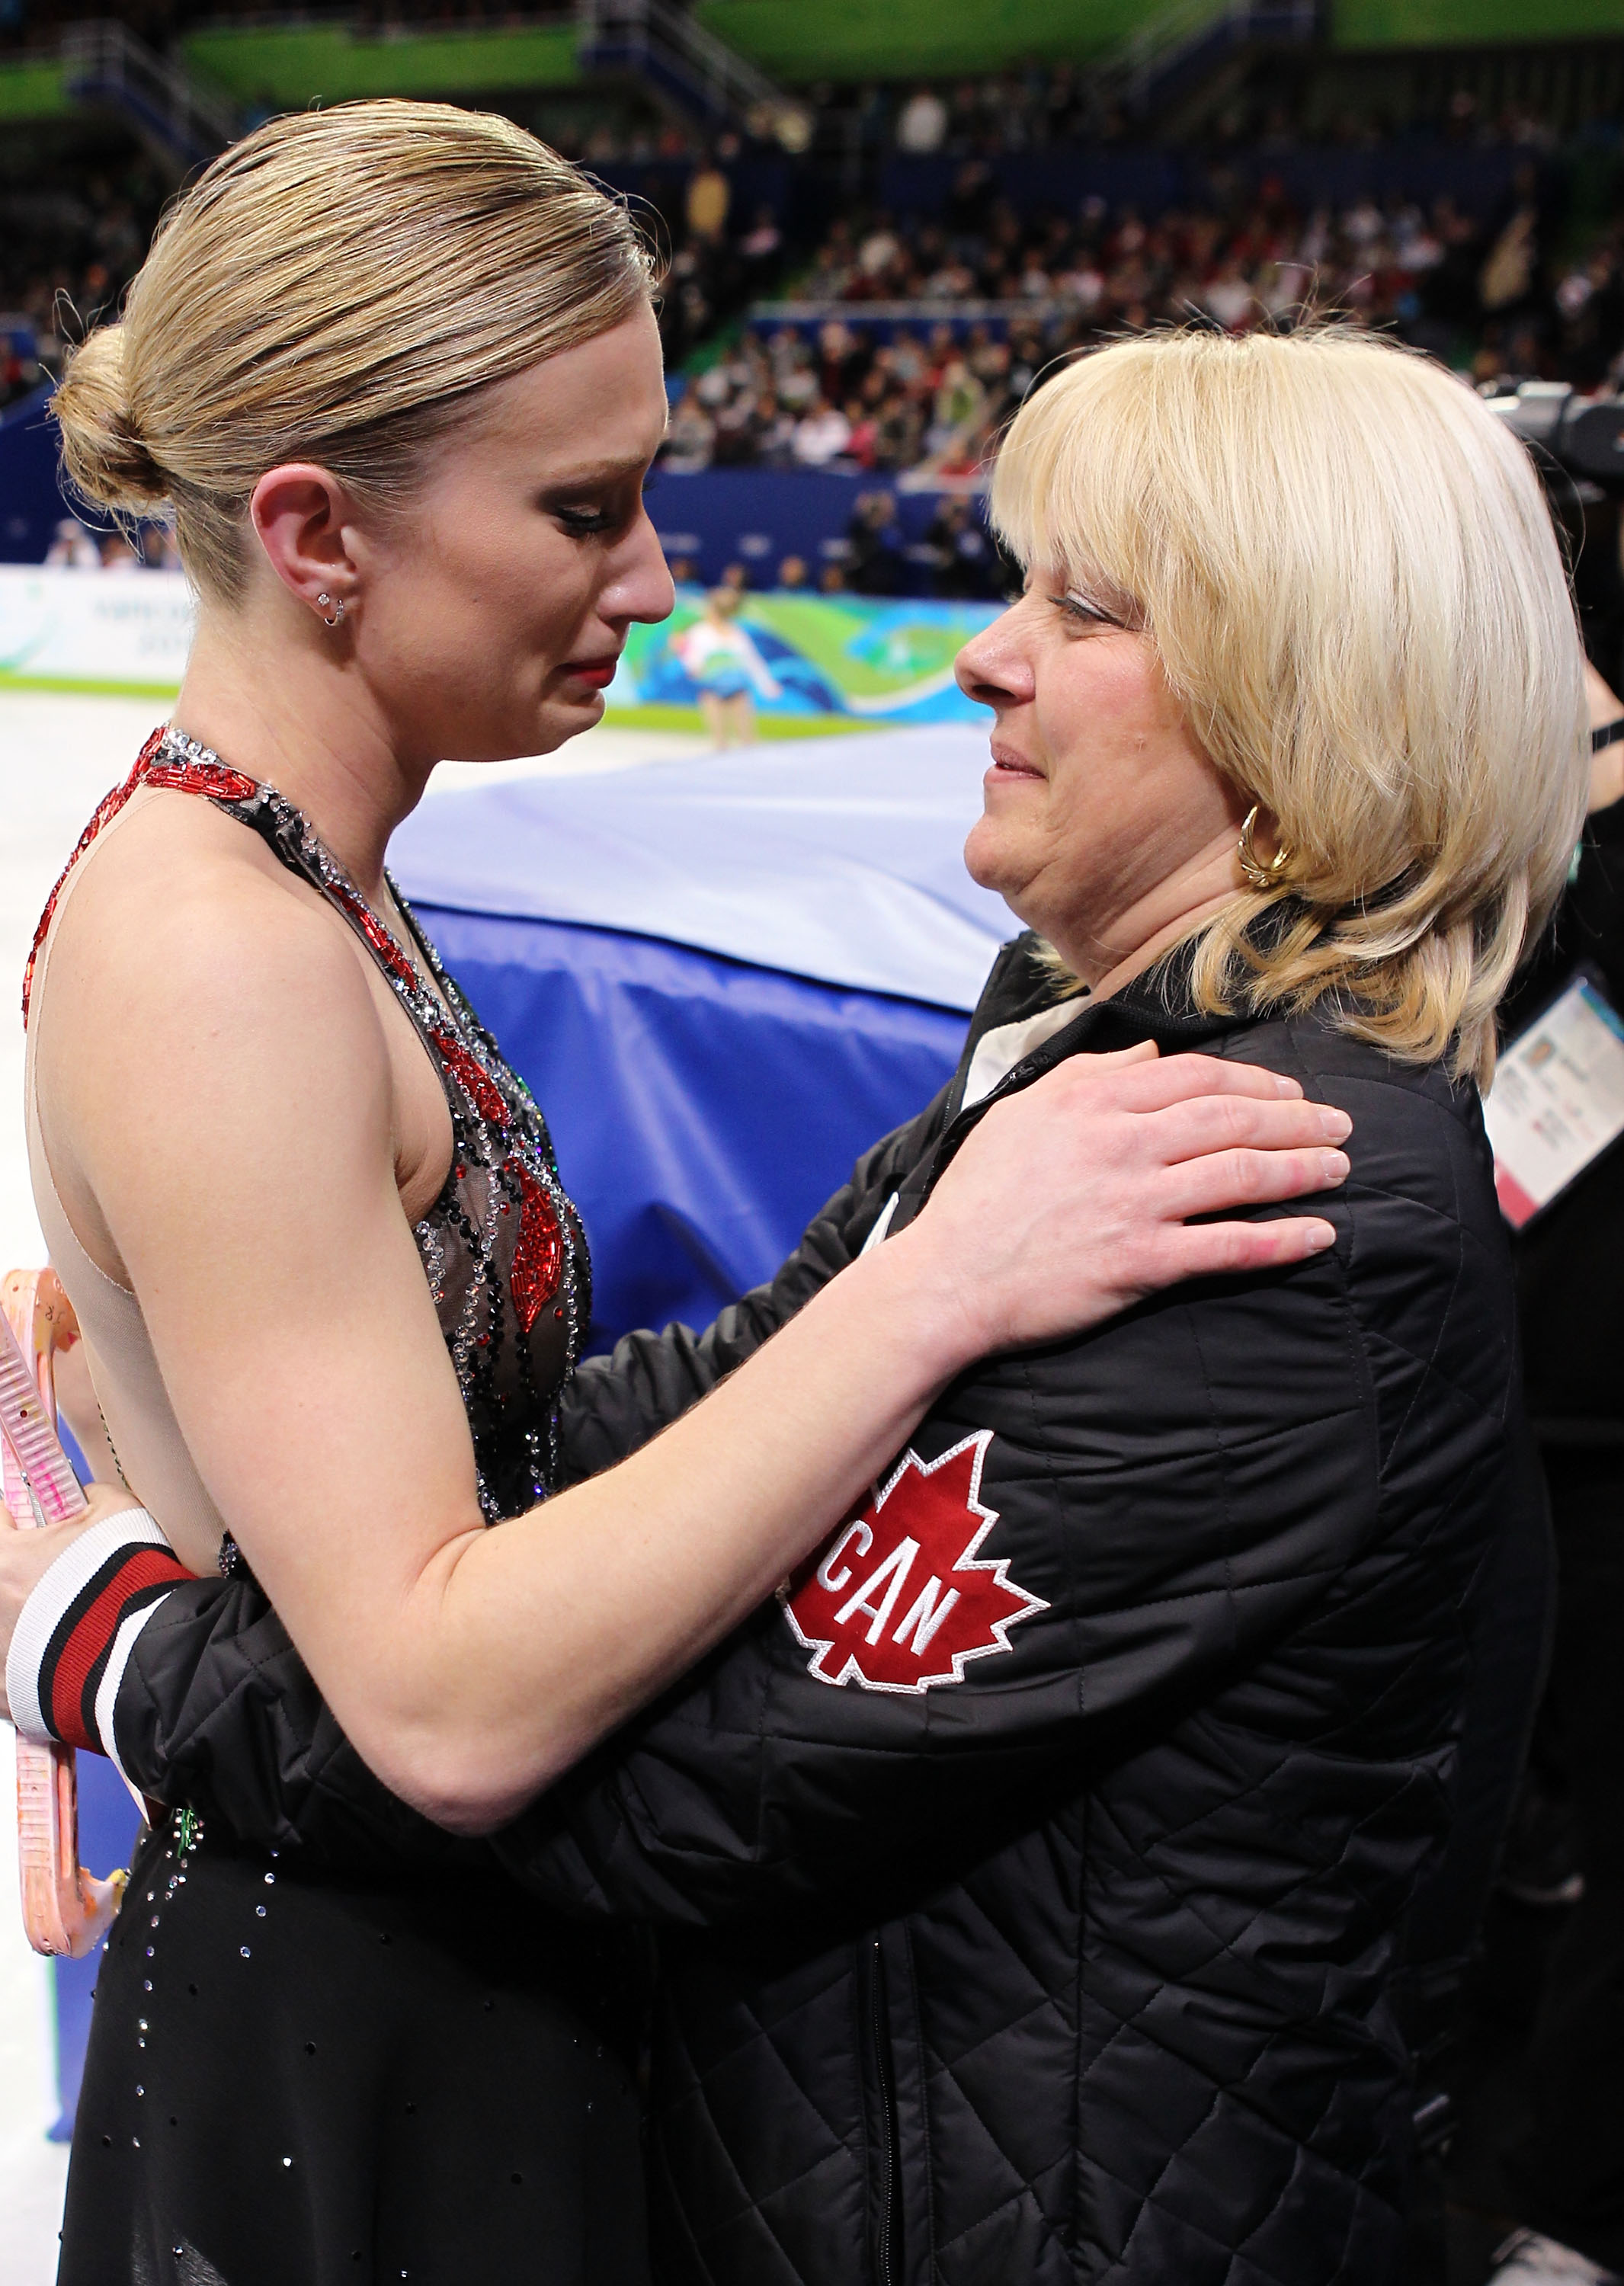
(640, 585)
(993, 668)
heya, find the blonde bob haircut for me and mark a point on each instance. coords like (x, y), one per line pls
(1350, 576)
(335, 288)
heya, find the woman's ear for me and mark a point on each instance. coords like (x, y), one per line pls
(302, 514)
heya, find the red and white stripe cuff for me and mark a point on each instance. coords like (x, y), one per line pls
(78, 1628)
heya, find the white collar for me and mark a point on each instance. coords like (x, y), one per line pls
(1000, 1051)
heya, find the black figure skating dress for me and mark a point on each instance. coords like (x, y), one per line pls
(299, 2078)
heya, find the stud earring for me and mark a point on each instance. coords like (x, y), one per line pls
(322, 600)
(1262, 876)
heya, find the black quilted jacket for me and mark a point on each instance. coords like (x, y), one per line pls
(1035, 1875)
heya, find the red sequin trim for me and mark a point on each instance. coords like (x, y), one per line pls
(477, 1085)
(538, 1258)
(210, 778)
(376, 935)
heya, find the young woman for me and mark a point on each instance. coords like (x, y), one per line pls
(395, 370)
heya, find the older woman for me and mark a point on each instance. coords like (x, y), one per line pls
(1034, 1866)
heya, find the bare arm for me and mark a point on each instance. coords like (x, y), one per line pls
(234, 1127)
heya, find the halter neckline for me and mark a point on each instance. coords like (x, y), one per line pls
(503, 1249)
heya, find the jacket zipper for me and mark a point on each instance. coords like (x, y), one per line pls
(880, 2041)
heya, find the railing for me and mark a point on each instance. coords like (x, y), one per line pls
(1183, 36)
(683, 59)
(105, 63)
(923, 310)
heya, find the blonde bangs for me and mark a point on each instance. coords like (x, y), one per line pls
(1350, 575)
(1070, 485)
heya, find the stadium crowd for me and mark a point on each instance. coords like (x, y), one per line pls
(70, 241)
(1043, 105)
(977, 304)
(909, 338)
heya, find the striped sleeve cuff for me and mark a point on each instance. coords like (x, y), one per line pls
(78, 1628)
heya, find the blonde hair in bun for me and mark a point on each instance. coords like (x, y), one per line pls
(103, 453)
(336, 287)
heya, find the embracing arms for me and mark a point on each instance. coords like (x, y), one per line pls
(1174, 1493)
(215, 1708)
(470, 1667)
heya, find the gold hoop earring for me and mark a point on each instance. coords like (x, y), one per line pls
(1262, 876)
(338, 608)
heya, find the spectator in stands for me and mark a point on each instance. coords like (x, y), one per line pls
(19, 365)
(761, 252)
(1589, 300)
(922, 124)
(874, 547)
(775, 428)
(842, 353)
(957, 410)
(737, 430)
(822, 434)
(691, 435)
(73, 548)
(1229, 296)
(963, 561)
(710, 195)
(880, 254)
(1566, 2159)
(792, 573)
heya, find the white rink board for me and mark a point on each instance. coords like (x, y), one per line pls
(114, 631)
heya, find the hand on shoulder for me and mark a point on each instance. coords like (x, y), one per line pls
(1070, 1199)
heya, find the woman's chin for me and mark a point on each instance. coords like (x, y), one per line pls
(988, 856)
(565, 714)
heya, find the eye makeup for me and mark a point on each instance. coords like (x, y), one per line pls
(585, 523)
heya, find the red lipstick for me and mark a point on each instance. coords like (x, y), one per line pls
(599, 672)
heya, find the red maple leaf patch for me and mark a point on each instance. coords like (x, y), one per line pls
(899, 1599)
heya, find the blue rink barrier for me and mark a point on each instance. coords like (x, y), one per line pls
(31, 502)
(702, 1109)
(757, 516)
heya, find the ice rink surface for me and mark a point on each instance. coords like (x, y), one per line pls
(57, 757)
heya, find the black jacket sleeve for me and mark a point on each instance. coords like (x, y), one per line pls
(216, 1706)
(1173, 1499)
